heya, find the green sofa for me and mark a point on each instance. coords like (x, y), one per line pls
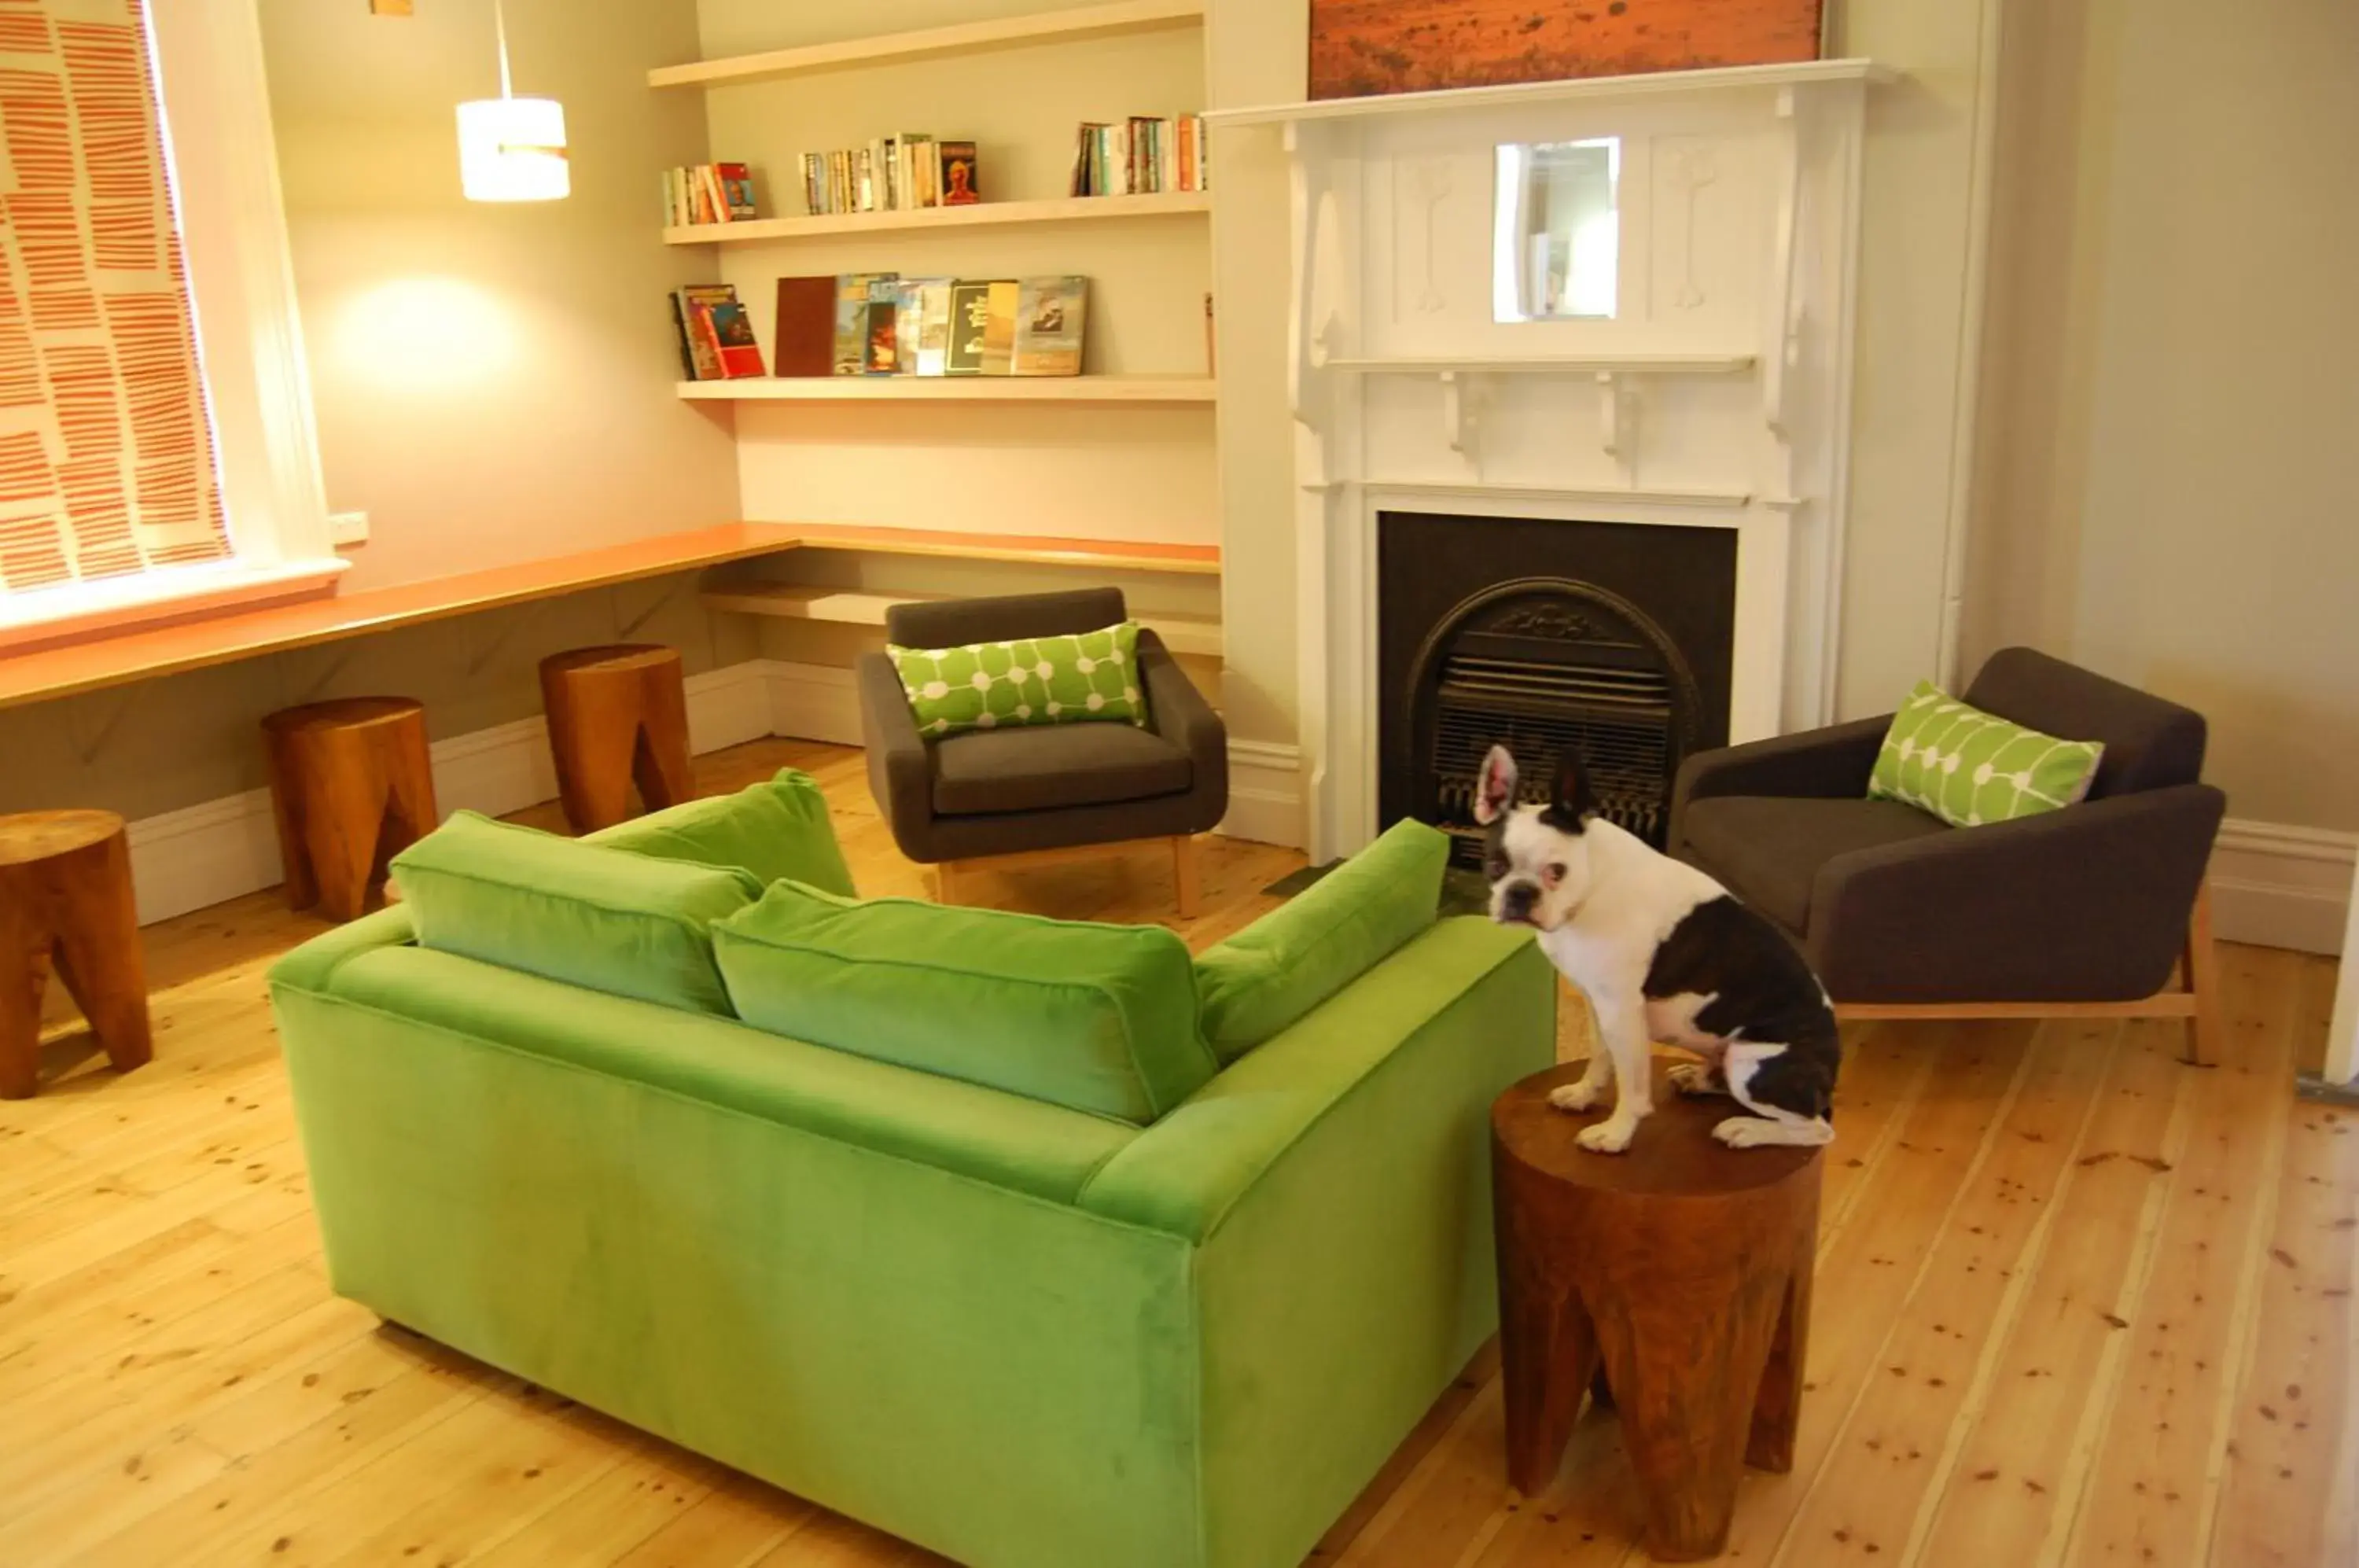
(1020, 1335)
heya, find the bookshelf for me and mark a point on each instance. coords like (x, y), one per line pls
(1085, 389)
(1054, 210)
(965, 39)
(1129, 447)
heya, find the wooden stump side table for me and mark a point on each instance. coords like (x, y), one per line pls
(65, 899)
(352, 785)
(1682, 1270)
(618, 716)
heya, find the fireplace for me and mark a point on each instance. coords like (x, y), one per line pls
(1614, 638)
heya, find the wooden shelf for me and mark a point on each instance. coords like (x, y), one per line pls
(1197, 636)
(1563, 365)
(1057, 210)
(1600, 89)
(116, 660)
(967, 38)
(60, 671)
(1034, 550)
(1074, 389)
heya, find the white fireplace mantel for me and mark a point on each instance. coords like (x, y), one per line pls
(1717, 395)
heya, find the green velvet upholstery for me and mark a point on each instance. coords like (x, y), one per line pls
(629, 925)
(1322, 939)
(1095, 1017)
(775, 830)
(1021, 1335)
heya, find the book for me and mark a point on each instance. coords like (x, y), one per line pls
(1050, 315)
(907, 307)
(881, 325)
(737, 190)
(694, 303)
(970, 319)
(732, 330)
(999, 327)
(851, 320)
(933, 327)
(680, 330)
(805, 330)
(1138, 156)
(962, 180)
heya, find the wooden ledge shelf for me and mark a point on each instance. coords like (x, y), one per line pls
(167, 649)
(1197, 636)
(966, 37)
(980, 214)
(1031, 549)
(1076, 389)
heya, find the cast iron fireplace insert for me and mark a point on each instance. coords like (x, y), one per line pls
(1616, 638)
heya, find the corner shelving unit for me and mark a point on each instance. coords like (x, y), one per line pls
(1190, 631)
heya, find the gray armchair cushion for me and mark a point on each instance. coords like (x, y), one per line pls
(1043, 767)
(1768, 849)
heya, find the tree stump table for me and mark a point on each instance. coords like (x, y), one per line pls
(618, 716)
(1681, 1270)
(65, 901)
(352, 785)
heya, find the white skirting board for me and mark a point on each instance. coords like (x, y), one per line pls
(221, 849)
(2275, 886)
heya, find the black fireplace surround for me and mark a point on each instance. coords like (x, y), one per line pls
(1617, 638)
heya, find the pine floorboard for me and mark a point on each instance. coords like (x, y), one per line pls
(2078, 1304)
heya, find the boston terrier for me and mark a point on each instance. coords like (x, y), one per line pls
(1664, 953)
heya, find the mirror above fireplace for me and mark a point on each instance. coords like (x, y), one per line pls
(1557, 234)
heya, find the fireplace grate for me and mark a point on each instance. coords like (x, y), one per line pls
(1621, 721)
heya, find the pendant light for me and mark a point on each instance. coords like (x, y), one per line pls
(511, 148)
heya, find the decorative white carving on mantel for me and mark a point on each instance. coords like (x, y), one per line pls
(1429, 182)
(1716, 397)
(1691, 168)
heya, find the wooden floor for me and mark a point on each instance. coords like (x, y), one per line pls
(2077, 1303)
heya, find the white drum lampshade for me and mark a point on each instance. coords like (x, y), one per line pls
(513, 149)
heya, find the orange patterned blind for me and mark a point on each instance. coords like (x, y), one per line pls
(106, 447)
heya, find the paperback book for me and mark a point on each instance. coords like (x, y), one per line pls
(1140, 157)
(708, 193)
(891, 174)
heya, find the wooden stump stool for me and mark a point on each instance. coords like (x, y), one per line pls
(65, 901)
(1684, 1267)
(351, 786)
(617, 715)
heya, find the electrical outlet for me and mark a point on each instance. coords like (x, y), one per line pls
(347, 528)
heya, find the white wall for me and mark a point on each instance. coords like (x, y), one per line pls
(2168, 478)
(493, 383)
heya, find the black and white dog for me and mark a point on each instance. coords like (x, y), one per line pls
(1664, 953)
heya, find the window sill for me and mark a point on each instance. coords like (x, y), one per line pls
(79, 612)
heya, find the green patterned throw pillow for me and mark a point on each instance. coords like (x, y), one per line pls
(1026, 680)
(1969, 767)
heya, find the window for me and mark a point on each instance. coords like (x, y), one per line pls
(155, 442)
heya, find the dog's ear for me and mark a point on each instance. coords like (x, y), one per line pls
(1495, 791)
(1573, 801)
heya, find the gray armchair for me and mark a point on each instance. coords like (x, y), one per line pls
(1042, 792)
(2081, 911)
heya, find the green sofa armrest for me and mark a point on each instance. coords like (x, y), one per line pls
(1184, 1174)
(312, 966)
(350, 1011)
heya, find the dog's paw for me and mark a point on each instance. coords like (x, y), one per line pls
(1696, 1078)
(1574, 1096)
(1608, 1136)
(1747, 1132)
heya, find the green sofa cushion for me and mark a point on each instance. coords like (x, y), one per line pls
(605, 919)
(778, 831)
(1094, 1018)
(1306, 950)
